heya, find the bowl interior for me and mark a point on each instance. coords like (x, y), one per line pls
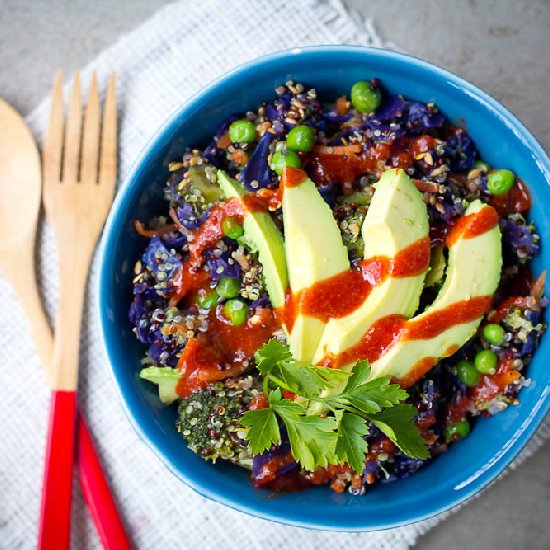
(452, 477)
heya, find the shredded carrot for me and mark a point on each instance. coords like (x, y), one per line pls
(140, 229)
(338, 150)
(537, 289)
(240, 157)
(342, 105)
(224, 141)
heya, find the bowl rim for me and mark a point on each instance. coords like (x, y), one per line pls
(517, 441)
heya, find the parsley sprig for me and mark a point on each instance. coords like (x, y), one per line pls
(351, 400)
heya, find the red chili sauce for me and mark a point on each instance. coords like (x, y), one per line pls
(343, 293)
(223, 350)
(263, 200)
(489, 386)
(210, 232)
(381, 336)
(473, 225)
(330, 165)
(517, 199)
(292, 177)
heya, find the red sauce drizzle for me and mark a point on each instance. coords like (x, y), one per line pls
(412, 260)
(189, 278)
(381, 336)
(292, 177)
(486, 389)
(269, 470)
(491, 385)
(517, 199)
(263, 200)
(472, 225)
(221, 352)
(210, 232)
(337, 168)
(343, 293)
(334, 297)
(289, 311)
(439, 321)
(341, 164)
(419, 369)
(377, 340)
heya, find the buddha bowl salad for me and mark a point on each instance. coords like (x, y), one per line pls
(337, 290)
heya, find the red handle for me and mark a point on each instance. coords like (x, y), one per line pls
(55, 511)
(97, 494)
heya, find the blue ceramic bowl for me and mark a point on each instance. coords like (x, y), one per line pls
(453, 477)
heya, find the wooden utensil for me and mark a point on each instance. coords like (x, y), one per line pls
(20, 188)
(20, 192)
(79, 183)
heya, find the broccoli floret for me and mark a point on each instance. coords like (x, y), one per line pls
(209, 420)
(193, 186)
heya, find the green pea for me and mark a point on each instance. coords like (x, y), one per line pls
(486, 361)
(207, 300)
(467, 373)
(481, 165)
(494, 334)
(242, 131)
(456, 431)
(232, 228)
(283, 158)
(500, 182)
(364, 97)
(236, 311)
(228, 288)
(300, 138)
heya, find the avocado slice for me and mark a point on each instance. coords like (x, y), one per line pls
(262, 233)
(473, 270)
(397, 217)
(314, 251)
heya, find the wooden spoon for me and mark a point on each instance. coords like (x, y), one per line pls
(20, 192)
(20, 195)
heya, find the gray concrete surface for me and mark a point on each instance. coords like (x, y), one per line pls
(503, 46)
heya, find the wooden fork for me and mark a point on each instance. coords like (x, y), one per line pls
(79, 183)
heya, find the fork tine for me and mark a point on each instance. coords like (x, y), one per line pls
(72, 133)
(108, 161)
(90, 136)
(53, 144)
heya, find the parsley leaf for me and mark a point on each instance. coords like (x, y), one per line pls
(351, 447)
(263, 429)
(312, 438)
(270, 354)
(275, 361)
(353, 401)
(359, 375)
(396, 423)
(308, 380)
(367, 397)
(373, 396)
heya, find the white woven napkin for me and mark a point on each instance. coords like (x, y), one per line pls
(158, 66)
